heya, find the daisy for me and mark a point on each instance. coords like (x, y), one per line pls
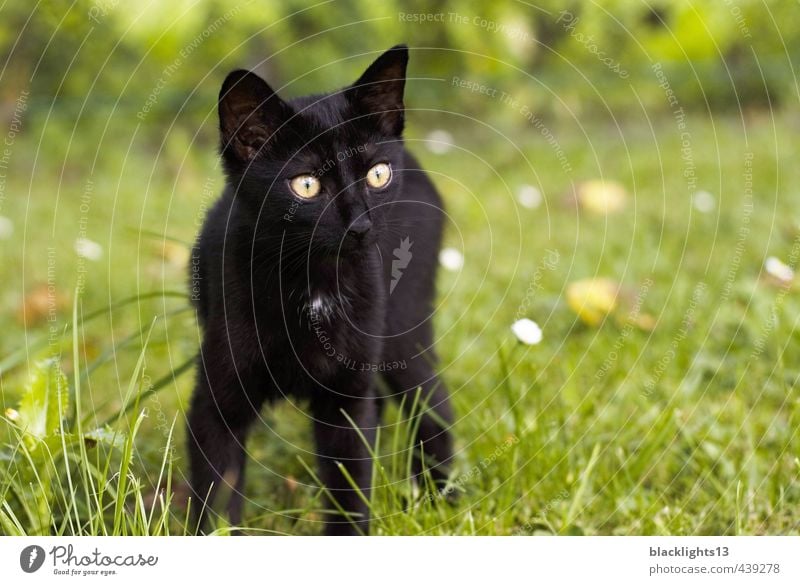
(6, 228)
(527, 331)
(704, 202)
(439, 141)
(529, 196)
(86, 248)
(778, 269)
(451, 259)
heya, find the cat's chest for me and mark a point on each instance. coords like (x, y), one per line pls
(322, 335)
(340, 326)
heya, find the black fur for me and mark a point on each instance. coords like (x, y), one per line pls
(293, 295)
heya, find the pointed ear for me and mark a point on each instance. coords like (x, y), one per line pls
(250, 112)
(378, 93)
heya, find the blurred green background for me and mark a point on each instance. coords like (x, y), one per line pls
(678, 417)
(104, 58)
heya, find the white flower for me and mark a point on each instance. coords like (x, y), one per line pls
(529, 196)
(704, 202)
(86, 248)
(6, 228)
(451, 259)
(439, 141)
(527, 331)
(778, 269)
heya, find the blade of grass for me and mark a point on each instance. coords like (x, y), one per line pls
(37, 342)
(574, 506)
(154, 388)
(76, 365)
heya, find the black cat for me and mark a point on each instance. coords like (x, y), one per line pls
(313, 276)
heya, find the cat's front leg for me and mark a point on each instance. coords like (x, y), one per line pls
(225, 403)
(345, 442)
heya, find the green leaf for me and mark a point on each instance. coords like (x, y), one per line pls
(105, 436)
(45, 400)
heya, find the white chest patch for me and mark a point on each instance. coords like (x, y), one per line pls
(320, 306)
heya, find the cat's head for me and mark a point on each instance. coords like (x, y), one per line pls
(323, 168)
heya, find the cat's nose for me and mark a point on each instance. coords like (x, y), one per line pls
(359, 228)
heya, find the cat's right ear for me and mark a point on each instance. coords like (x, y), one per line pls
(379, 91)
(250, 113)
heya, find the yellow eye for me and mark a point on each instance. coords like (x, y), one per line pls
(305, 186)
(379, 175)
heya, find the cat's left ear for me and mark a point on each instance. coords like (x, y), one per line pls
(378, 93)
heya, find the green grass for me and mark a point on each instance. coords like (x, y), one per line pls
(690, 428)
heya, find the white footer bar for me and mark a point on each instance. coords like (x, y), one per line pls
(399, 560)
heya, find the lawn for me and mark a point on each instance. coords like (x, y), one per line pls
(676, 414)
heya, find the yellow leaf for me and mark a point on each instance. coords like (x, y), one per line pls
(646, 322)
(42, 303)
(601, 197)
(175, 254)
(592, 298)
